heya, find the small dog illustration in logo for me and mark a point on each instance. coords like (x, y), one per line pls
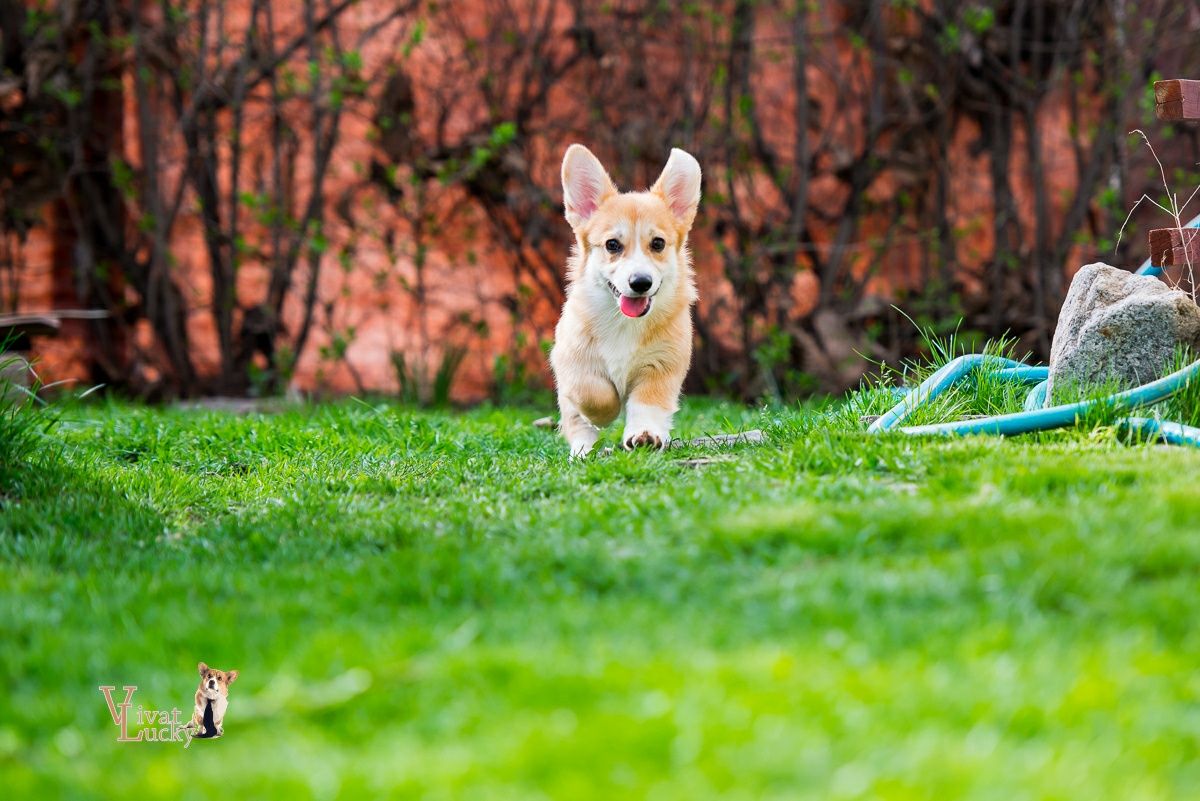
(212, 699)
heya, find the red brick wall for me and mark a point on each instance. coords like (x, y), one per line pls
(463, 278)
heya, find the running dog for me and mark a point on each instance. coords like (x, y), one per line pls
(625, 335)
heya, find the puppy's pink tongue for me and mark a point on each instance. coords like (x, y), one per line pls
(634, 307)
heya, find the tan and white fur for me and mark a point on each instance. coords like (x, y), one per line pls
(214, 686)
(625, 335)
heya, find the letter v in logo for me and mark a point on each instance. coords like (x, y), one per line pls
(121, 720)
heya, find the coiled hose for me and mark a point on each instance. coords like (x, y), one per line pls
(1037, 415)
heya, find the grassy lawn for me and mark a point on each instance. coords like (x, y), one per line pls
(438, 605)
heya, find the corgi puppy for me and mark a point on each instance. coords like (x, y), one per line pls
(212, 699)
(625, 335)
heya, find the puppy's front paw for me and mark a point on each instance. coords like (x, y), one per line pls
(646, 426)
(645, 439)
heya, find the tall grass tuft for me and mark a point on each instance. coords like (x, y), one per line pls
(1184, 405)
(418, 387)
(982, 395)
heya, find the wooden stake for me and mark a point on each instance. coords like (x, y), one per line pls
(1171, 247)
(1177, 99)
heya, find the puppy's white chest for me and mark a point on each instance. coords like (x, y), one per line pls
(619, 352)
(219, 705)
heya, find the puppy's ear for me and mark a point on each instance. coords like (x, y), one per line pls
(679, 186)
(231, 676)
(203, 668)
(585, 184)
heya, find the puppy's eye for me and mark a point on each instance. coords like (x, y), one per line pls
(613, 246)
(657, 244)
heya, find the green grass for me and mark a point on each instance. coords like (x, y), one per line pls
(436, 605)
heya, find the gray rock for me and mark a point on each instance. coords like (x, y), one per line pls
(15, 375)
(1118, 327)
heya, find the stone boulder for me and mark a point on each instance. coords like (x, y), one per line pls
(1118, 327)
(15, 375)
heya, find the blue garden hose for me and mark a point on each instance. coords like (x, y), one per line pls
(1171, 433)
(1037, 416)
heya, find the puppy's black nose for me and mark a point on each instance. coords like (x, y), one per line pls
(640, 282)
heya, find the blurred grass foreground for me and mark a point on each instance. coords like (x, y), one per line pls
(433, 605)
